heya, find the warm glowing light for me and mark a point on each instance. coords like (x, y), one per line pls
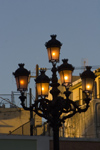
(66, 77)
(42, 88)
(53, 53)
(22, 82)
(88, 86)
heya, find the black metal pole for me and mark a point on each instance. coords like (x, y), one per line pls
(55, 127)
(56, 138)
(55, 92)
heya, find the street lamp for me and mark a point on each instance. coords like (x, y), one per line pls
(52, 110)
(65, 71)
(87, 80)
(53, 49)
(22, 77)
(42, 84)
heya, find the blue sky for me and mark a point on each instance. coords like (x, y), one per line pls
(25, 26)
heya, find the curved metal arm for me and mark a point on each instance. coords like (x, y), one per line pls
(22, 98)
(41, 107)
(69, 110)
(87, 100)
(52, 110)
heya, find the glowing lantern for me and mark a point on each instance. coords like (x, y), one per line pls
(65, 71)
(88, 78)
(22, 77)
(53, 48)
(42, 84)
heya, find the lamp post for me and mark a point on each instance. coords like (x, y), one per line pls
(52, 110)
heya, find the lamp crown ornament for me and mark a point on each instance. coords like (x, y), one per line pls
(53, 42)
(21, 65)
(65, 66)
(88, 73)
(42, 78)
(21, 71)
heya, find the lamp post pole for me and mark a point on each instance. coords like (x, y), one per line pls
(55, 123)
(55, 135)
(57, 110)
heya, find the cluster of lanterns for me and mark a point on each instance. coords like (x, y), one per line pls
(65, 71)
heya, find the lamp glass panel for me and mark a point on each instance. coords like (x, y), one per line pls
(22, 83)
(87, 84)
(42, 89)
(66, 77)
(53, 53)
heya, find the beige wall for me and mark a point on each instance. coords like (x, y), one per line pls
(98, 86)
(12, 118)
(82, 124)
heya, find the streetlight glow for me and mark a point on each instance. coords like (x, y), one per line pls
(42, 88)
(88, 86)
(66, 78)
(53, 53)
(21, 82)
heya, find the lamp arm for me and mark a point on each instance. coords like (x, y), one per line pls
(69, 107)
(41, 107)
(22, 98)
(68, 116)
(75, 109)
(40, 114)
(66, 106)
(87, 100)
(78, 109)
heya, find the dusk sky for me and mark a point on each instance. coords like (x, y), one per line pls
(25, 26)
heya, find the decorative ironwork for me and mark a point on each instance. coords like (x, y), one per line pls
(52, 110)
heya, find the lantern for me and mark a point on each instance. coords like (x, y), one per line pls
(22, 77)
(65, 71)
(42, 84)
(88, 78)
(53, 49)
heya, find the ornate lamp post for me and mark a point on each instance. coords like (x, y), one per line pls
(52, 110)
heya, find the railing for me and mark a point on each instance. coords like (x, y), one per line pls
(12, 100)
(8, 100)
(25, 129)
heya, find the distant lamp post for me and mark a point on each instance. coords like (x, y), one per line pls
(52, 110)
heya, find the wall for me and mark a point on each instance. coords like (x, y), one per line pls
(78, 144)
(18, 144)
(24, 142)
(12, 118)
(46, 143)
